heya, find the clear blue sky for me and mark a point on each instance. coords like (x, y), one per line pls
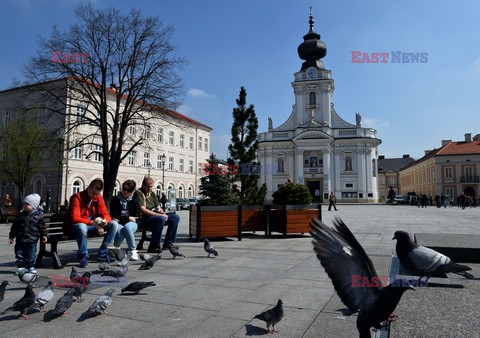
(253, 43)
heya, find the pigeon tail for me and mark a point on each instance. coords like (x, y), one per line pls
(458, 269)
(465, 274)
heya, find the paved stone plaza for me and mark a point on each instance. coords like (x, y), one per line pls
(218, 297)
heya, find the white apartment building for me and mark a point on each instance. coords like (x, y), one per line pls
(174, 149)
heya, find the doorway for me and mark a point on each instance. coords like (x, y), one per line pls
(315, 188)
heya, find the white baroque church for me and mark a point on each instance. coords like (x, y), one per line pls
(315, 146)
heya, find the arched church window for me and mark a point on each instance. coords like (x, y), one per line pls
(312, 99)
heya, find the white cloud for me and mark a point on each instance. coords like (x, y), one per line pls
(185, 109)
(195, 92)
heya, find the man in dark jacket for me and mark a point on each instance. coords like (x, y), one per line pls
(27, 228)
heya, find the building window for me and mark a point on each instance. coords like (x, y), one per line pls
(170, 163)
(190, 167)
(180, 165)
(76, 186)
(8, 116)
(469, 173)
(448, 172)
(449, 192)
(158, 190)
(374, 168)
(160, 135)
(180, 191)
(132, 129)
(199, 168)
(199, 143)
(78, 152)
(280, 166)
(131, 157)
(97, 155)
(349, 195)
(349, 185)
(190, 191)
(391, 181)
(312, 100)
(206, 144)
(190, 145)
(182, 140)
(146, 159)
(171, 138)
(80, 115)
(159, 162)
(146, 132)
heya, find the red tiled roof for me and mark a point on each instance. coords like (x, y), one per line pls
(460, 148)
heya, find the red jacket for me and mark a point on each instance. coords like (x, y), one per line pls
(81, 208)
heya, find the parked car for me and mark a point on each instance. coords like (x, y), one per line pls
(183, 203)
(399, 199)
(192, 200)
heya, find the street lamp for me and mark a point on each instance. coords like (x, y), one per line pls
(162, 158)
(61, 141)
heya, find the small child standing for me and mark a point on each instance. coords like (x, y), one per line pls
(27, 228)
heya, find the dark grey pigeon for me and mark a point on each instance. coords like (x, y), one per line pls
(423, 261)
(79, 290)
(150, 262)
(63, 304)
(74, 275)
(343, 257)
(119, 254)
(104, 266)
(34, 279)
(102, 302)
(209, 248)
(136, 287)
(44, 296)
(3, 286)
(117, 273)
(175, 253)
(24, 303)
(272, 316)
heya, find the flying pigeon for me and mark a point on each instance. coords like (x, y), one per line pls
(272, 316)
(117, 273)
(119, 254)
(104, 266)
(44, 296)
(175, 253)
(24, 303)
(136, 287)
(124, 261)
(3, 286)
(150, 262)
(145, 257)
(34, 279)
(423, 261)
(209, 248)
(102, 302)
(343, 257)
(64, 303)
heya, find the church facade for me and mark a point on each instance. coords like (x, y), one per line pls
(315, 146)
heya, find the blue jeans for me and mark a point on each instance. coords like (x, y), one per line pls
(172, 222)
(155, 225)
(26, 254)
(80, 232)
(127, 232)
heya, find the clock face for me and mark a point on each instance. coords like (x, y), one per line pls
(311, 72)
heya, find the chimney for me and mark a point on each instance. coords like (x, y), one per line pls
(427, 151)
(381, 157)
(444, 142)
(476, 137)
(468, 137)
(406, 156)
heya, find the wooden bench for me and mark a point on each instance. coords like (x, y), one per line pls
(6, 212)
(54, 225)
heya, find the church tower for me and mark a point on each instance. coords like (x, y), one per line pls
(315, 146)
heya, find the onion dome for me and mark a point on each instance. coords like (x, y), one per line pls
(312, 49)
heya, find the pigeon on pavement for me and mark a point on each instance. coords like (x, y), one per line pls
(136, 287)
(3, 286)
(24, 303)
(343, 257)
(425, 262)
(145, 257)
(124, 261)
(117, 273)
(64, 303)
(102, 302)
(150, 262)
(44, 296)
(83, 286)
(209, 248)
(119, 254)
(175, 253)
(74, 275)
(34, 279)
(272, 316)
(104, 266)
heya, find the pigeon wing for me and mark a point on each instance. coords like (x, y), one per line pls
(343, 257)
(425, 259)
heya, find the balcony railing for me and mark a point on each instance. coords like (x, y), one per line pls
(313, 170)
(469, 179)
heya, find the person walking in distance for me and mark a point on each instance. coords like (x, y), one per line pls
(332, 200)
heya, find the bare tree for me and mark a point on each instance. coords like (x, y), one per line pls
(110, 71)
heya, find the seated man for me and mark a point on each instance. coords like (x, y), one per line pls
(153, 218)
(87, 214)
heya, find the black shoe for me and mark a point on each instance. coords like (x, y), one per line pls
(168, 246)
(154, 249)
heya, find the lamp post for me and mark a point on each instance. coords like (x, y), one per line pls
(162, 158)
(61, 141)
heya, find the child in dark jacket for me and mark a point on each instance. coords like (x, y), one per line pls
(27, 228)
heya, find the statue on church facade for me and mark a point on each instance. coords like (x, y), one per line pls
(358, 119)
(270, 123)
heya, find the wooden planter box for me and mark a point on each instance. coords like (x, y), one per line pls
(232, 221)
